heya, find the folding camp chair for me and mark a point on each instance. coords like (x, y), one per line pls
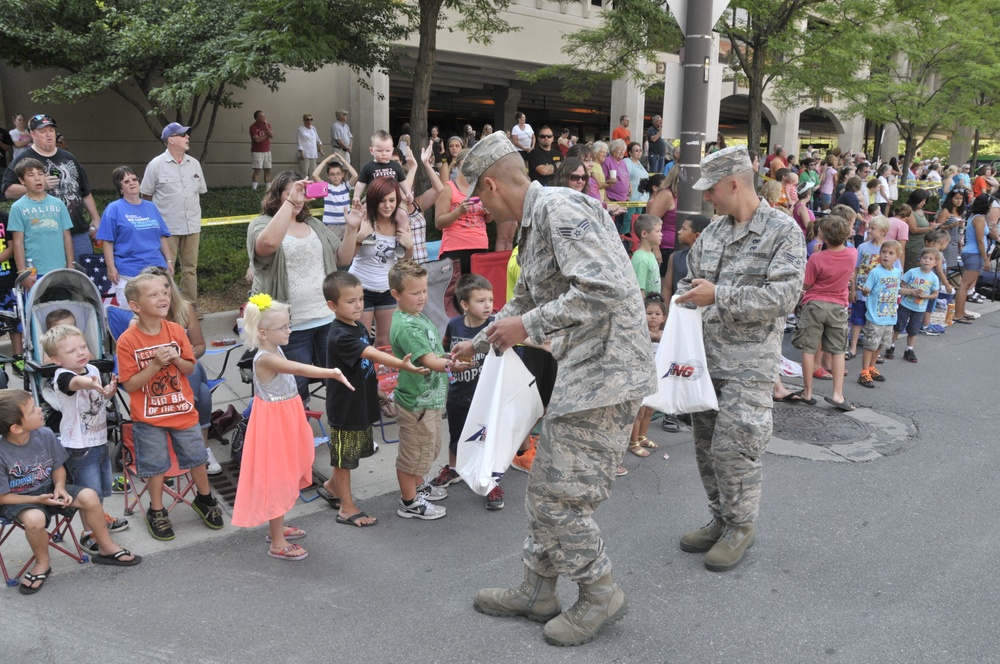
(62, 538)
(387, 379)
(493, 266)
(183, 482)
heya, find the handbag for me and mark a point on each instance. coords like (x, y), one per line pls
(505, 406)
(684, 384)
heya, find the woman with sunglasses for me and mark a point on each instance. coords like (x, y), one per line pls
(636, 174)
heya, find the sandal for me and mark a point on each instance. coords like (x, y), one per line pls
(291, 533)
(115, 559)
(646, 442)
(331, 500)
(386, 405)
(622, 470)
(290, 552)
(636, 448)
(31, 578)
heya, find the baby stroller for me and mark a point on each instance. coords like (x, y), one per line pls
(72, 291)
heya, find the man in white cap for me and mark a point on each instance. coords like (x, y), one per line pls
(577, 289)
(175, 183)
(746, 269)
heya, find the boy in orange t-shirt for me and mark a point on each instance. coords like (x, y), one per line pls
(154, 360)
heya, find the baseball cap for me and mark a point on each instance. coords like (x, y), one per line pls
(40, 120)
(725, 162)
(483, 155)
(173, 129)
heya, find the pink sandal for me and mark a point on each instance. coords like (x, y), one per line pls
(291, 533)
(290, 552)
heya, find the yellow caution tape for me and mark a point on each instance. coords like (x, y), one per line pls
(239, 219)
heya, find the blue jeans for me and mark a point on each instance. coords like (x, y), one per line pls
(202, 395)
(656, 162)
(90, 467)
(308, 347)
(81, 245)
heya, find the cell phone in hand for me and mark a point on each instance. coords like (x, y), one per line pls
(472, 200)
(317, 190)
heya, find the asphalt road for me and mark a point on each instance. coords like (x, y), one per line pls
(887, 561)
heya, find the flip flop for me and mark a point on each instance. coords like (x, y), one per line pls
(115, 559)
(353, 520)
(963, 321)
(291, 533)
(808, 402)
(290, 552)
(822, 374)
(844, 405)
(328, 497)
(786, 399)
(31, 578)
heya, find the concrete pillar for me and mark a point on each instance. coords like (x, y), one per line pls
(628, 99)
(673, 97)
(961, 146)
(714, 92)
(853, 136)
(786, 132)
(890, 142)
(505, 107)
(369, 113)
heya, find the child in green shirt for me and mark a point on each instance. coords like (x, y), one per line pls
(649, 229)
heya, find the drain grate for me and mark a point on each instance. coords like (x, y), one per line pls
(224, 484)
(818, 426)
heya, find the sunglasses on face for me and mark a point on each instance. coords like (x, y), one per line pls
(545, 136)
(577, 178)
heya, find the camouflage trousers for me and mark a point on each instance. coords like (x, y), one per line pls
(574, 466)
(729, 445)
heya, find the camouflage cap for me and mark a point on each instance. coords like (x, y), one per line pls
(484, 154)
(728, 161)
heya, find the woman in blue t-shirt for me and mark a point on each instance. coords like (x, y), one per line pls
(133, 232)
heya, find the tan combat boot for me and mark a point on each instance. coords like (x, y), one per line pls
(535, 599)
(728, 551)
(600, 603)
(703, 539)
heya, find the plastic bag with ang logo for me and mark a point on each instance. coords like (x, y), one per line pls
(684, 383)
(504, 408)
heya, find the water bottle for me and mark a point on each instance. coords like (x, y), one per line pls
(31, 266)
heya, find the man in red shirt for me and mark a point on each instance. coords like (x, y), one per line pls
(622, 131)
(260, 149)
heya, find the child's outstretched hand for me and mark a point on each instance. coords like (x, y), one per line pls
(408, 365)
(337, 374)
(109, 390)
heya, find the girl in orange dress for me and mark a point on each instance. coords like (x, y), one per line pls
(278, 448)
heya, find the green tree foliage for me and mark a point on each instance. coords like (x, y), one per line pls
(181, 60)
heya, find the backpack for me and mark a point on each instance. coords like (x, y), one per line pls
(237, 439)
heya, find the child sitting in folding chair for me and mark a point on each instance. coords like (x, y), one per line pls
(351, 412)
(155, 359)
(33, 488)
(83, 428)
(278, 447)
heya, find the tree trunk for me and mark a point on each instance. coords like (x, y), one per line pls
(430, 12)
(975, 149)
(755, 102)
(211, 128)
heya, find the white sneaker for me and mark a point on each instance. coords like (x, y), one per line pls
(420, 509)
(431, 492)
(214, 467)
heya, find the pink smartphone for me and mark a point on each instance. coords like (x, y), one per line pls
(317, 190)
(473, 200)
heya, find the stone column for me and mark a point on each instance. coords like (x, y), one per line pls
(628, 99)
(853, 136)
(505, 107)
(369, 113)
(890, 143)
(785, 132)
(961, 146)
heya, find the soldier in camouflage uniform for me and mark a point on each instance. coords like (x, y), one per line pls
(577, 289)
(746, 269)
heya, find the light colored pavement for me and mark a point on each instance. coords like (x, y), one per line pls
(889, 560)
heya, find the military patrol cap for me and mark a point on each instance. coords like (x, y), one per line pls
(484, 154)
(728, 161)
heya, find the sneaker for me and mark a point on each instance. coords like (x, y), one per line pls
(431, 492)
(18, 366)
(494, 499)
(207, 507)
(925, 330)
(622, 471)
(910, 356)
(158, 523)
(879, 360)
(119, 484)
(115, 525)
(89, 544)
(865, 379)
(446, 477)
(876, 376)
(890, 353)
(420, 509)
(214, 467)
(523, 461)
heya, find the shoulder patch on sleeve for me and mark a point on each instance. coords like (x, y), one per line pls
(575, 232)
(793, 259)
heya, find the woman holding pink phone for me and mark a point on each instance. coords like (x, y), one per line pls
(462, 221)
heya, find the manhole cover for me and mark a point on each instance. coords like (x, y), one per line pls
(819, 426)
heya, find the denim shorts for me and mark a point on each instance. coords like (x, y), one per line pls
(909, 321)
(152, 457)
(379, 300)
(972, 263)
(91, 467)
(11, 511)
(859, 313)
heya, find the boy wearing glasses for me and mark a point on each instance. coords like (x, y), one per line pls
(544, 159)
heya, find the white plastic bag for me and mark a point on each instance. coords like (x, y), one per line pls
(684, 384)
(790, 368)
(504, 408)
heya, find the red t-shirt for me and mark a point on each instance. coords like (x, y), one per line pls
(258, 129)
(829, 273)
(166, 401)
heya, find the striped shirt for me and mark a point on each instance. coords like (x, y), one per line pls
(334, 203)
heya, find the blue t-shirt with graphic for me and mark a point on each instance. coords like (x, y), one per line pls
(883, 294)
(42, 223)
(868, 254)
(136, 231)
(464, 385)
(926, 282)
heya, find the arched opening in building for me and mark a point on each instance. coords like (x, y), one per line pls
(734, 112)
(819, 129)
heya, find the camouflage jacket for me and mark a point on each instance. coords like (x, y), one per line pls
(758, 272)
(577, 288)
